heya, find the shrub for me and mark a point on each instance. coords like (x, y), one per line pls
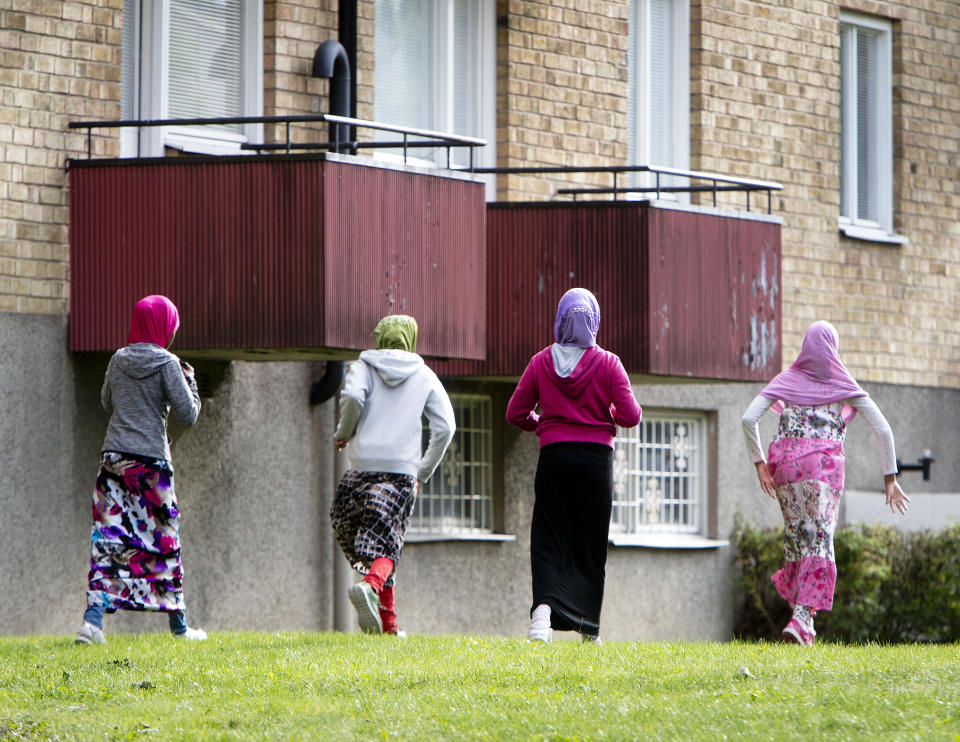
(891, 587)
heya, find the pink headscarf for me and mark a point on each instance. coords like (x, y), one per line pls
(155, 319)
(817, 376)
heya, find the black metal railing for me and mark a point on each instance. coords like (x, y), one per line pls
(717, 183)
(411, 138)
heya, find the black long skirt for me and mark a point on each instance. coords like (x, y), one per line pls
(568, 539)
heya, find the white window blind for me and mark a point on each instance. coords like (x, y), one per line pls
(658, 95)
(662, 84)
(130, 64)
(434, 69)
(206, 59)
(403, 75)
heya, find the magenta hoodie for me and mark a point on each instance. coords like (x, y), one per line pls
(585, 407)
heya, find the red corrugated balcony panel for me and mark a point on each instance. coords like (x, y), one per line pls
(682, 292)
(277, 256)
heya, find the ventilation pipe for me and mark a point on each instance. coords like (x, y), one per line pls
(331, 61)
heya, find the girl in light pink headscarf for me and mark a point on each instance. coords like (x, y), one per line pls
(816, 398)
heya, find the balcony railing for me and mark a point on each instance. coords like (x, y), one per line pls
(412, 138)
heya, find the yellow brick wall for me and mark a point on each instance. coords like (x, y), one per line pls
(59, 61)
(766, 104)
(561, 90)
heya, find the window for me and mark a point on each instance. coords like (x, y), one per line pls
(435, 69)
(866, 131)
(658, 101)
(191, 59)
(659, 475)
(458, 498)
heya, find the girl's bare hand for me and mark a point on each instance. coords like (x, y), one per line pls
(766, 479)
(896, 498)
(340, 445)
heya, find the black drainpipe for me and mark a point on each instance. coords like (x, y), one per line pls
(331, 61)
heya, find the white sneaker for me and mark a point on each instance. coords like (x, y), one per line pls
(90, 634)
(588, 639)
(540, 630)
(192, 635)
(367, 605)
(540, 634)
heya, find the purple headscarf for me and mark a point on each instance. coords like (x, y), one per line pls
(817, 376)
(578, 319)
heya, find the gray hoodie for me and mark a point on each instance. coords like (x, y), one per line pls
(143, 382)
(383, 399)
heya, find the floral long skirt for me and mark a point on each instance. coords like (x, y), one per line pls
(809, 576)
(369, 516)
(135, 539)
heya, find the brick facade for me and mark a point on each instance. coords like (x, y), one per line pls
(765, 103)
(58, 62)
(561, 90)
(765, 86)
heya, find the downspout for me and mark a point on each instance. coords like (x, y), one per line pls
(320, 392)
(335, 60)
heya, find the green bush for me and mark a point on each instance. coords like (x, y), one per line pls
(891, 587)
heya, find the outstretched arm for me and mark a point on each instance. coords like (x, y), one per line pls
(896, 498)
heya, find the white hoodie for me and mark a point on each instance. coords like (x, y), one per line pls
(382, 401)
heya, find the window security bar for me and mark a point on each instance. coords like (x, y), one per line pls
(719, 183)
(423, 137)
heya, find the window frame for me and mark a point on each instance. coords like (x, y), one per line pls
(150, 87)
(881, 151)
(678, 536)
(463, 532)
(639, 88)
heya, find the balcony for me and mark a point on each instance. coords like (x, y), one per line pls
(277, 256)
(296, 255)
(683, 291)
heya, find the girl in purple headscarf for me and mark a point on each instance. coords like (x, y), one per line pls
(583, 393)
(816, 398)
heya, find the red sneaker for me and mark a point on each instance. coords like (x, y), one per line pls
(795, 633)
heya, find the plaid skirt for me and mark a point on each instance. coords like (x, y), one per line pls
(135, 539)
(369, 516)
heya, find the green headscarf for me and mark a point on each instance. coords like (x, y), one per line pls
(396, 331)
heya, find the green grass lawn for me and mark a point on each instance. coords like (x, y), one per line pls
(344, 687)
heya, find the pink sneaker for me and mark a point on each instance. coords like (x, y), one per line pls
(795, 633)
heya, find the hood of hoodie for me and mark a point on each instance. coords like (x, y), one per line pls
(578, 380)
(141, 360)
(394, 366)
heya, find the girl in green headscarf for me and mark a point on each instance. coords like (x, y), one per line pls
(385, 395)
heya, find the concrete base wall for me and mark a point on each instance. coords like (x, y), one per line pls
(255, 479)
(252, 480)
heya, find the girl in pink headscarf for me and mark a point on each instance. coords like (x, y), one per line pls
(135, 539)
(816, 398)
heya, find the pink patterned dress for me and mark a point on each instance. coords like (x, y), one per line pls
(806, 460)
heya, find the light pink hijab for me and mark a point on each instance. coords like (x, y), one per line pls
(817, 376)
(155, 319)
